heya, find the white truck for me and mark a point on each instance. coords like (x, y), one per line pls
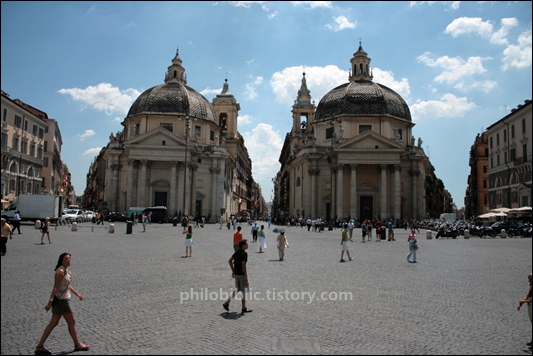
(448, 217)
(35, 207)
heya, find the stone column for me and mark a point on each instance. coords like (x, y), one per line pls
(383, 192)
(215, 170)
(142, 183)
(353, 191)
(192, 206)
(414, 200)
(129, 194)
(313, 172)
(172, 200)
(333, 193)
(112, 203)
(181, 179)
(187, 188)
(339, 190)
(397, 192)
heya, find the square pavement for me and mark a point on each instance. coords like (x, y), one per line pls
(143, 297)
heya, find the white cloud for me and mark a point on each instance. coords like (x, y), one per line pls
(466, 25)
(92, 151)
(387, 79)
(313, 4)
(454, 5)
(210, 92)
(320, 80)
(251, 88)
(484, 85)
(104, 97)
(248, 4)
(86, 135)
(449, 106)
(341, 23)
(458, 71)
(264, 146)
(485, 29)
(518, 56)
(244, 119)
(498, 37)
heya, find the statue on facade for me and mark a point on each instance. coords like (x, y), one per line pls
(397, 134)
(420, 142)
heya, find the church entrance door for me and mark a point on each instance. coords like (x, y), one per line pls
(160, 199)
(366, 207)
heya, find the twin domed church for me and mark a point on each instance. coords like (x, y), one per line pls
(353, 155)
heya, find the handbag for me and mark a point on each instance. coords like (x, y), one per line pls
(415, 246)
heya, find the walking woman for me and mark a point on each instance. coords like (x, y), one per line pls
(188, 241)
(283, 243)
(144, 219)
(413, 246)
(45, 229)
(61, 308)
(261, 235)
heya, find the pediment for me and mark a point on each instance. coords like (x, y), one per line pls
(155, 137)
(369, 140)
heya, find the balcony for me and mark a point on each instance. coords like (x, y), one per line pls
(520, 161)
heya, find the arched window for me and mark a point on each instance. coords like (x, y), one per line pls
(298, 182)
(13, 168)
(175, 74)
(514, 178)
(30, 172)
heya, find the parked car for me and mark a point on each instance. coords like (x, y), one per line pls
(116, 217)
(511, 227)
(71, 214)
(89, 214)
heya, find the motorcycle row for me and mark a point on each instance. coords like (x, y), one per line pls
(449, 229)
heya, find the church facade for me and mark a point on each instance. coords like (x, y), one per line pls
(177, 150)
(353, 155)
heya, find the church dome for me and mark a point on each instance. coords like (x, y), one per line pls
(173, 97)
(362, 97)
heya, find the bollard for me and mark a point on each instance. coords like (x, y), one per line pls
(74, 226)
(128, 227)
(111, 228)
(467, 234)
(37, 224)
(429, 235)
(503, 234)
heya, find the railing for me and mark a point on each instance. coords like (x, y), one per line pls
(520, 160)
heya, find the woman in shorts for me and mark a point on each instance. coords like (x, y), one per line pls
(61, 308)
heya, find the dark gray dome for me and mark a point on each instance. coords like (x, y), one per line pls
(362, 97)
(176, 98)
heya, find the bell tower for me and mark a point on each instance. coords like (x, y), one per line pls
(176, 72)
(303, 111)
(227, 111)
(360, 66)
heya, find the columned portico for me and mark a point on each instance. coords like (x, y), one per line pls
(142, 183)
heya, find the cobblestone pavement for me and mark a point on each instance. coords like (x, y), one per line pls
(460, 298)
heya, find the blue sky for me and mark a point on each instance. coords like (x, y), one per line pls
(460, 66)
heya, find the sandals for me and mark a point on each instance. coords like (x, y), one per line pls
(82, 347)
(246, 310)
(40, 350)
(226, 306)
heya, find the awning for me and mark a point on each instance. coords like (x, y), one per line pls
(490, 215)
(499, 210)
(522, 210)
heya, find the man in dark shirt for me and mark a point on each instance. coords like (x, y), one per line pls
(237, 263)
